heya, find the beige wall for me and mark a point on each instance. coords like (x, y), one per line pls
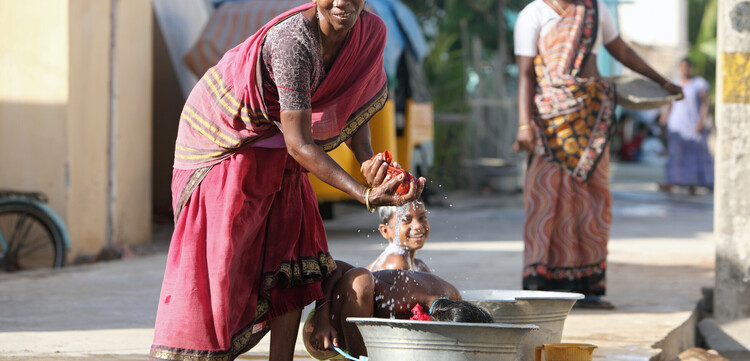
(33, 96)
(55, 98)
(133, 118)
(88, 117)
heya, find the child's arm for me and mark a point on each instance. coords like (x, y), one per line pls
(324, 333)
(421, 266)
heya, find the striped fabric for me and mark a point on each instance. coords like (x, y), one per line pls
(566, 229)
(575, 115)
(212, 104)
(230, 25)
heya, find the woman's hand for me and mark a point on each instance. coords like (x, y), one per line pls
(323, 335)
(375, 170)
(385, 193)
(674, 89)
(526, 138)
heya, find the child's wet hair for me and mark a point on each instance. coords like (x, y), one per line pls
(385, 213)
(459, 311)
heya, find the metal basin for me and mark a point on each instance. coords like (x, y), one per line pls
(547, 310)
(395, 340)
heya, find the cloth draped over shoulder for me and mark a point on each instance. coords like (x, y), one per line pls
(227, 109)
(574, 117)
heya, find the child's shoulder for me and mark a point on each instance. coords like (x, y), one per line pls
(391, 261)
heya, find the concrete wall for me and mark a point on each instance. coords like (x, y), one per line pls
(132, 137)
(732, 200)
(33, 97)
(91, 155)
(88, 124)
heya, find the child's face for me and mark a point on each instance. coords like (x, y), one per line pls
(408, 227)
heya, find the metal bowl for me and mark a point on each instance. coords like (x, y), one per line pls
(639, 93)
(391, 340)
(548, 310)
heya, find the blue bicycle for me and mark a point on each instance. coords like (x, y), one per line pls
(32, 235)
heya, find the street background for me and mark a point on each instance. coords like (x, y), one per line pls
(661, 255)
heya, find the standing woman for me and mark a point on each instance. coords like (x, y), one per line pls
(566, 118)
(689, 163)
(249, 250)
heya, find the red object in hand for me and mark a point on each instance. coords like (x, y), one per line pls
(405, 185)
(418, 314)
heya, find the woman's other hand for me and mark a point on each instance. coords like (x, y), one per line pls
(375, 170)
(385, 193)
(525, 138)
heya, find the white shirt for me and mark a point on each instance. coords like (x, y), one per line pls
(537, 18)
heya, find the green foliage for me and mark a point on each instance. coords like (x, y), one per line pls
(445, 22)
(448, 25)
(702, 15)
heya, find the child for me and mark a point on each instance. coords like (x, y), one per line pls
(406, 228)
(357, 292)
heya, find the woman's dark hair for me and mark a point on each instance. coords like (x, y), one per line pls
(459, 311)
(688, 61)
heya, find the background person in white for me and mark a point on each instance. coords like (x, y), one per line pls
(568, 219)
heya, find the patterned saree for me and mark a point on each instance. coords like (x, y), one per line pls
(566, 192)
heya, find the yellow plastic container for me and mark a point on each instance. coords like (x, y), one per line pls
(565, 352)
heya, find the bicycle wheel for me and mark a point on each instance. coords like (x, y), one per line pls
(31, 238)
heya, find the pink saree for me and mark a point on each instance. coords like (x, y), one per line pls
(228, 110)
(249, 244)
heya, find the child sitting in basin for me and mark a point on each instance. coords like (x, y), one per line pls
(406, 228)
(400, 294)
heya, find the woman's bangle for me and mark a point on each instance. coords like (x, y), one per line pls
(367, 200)
(524, 127)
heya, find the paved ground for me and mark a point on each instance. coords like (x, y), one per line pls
(661, 254)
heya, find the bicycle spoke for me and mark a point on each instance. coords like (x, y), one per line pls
(25, 245)
(15, 237)
(29, 248)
